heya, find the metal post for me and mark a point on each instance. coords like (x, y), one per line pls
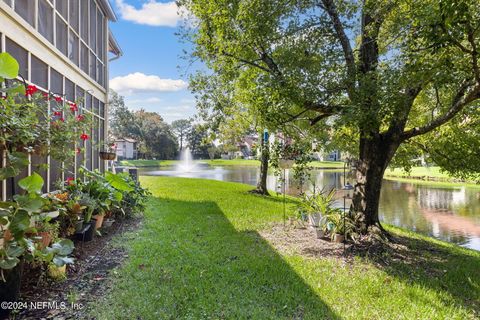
(344, 206)
(284, 197)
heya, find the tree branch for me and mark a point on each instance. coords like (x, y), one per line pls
(318, 118)
(248, 62)
(461, 99)
(344, 41)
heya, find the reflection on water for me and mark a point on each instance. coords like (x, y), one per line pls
(451, 214)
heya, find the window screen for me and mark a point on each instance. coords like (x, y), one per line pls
(88, 102)
(102, 110)
(84, 58)
(93, 25)
(62, 7)
(69, 90)
(20, 54)
(73, 15)
(73, 48)
(84, 19)
(61, 35)
(99, 34)
(39, 72)
(95, 105)
(99, 72)
(26, 9)
(56, 82)
(45, 20)
(93, 66)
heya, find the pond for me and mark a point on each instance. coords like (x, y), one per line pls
(447, 213)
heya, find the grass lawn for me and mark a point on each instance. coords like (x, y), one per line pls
(199, 255)
(147, 163)
(221, 162)
(418, 172)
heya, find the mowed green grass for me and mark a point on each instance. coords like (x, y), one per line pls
(222, 162)
(199, 256)
(419, 172)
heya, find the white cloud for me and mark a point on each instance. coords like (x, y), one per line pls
(139, 82)
(147, 100)
(152, 13)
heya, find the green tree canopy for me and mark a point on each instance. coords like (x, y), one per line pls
(373, 75)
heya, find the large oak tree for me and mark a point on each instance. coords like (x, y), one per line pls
(387, 72)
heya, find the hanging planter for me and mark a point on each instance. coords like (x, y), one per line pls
(104, 155)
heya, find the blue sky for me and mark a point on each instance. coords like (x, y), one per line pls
(148, 74)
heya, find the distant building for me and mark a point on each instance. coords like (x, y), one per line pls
(126, 148)
(247, 146)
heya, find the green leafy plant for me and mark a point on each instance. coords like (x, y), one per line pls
(16, 219)
(28, 126)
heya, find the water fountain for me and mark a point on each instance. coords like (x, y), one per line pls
(186, 163)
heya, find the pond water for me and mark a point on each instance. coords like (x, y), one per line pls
(447, 213)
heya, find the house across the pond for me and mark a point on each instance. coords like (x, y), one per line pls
(126, 148)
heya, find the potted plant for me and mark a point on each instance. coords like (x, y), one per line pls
(108, 221)
(339, 226)
(46, 232)
(16, 219)
(57, 257)
(89, 224)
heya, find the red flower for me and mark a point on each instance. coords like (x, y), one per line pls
(84, 136)
(73, 107)
(58, 99)
(46, 96)
(80, 117)
(78, 150)
(70, 180)
(57, 113)
(31, 89)
(61, 119)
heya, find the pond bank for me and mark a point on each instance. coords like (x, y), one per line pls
(209, 249)
(418, 174)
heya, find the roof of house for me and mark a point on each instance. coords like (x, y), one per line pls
(107, 8)
(113, 46)
(125, 139)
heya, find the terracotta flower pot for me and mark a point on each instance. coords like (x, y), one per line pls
(99, 219)
(46, 239)
(7, 235)
(339, 238)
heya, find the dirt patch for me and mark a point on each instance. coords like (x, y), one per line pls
(302, 241)
(87, 279)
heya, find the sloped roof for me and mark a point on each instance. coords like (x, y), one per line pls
(125, 139)
(108, 9)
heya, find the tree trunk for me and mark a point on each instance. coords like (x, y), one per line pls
(262, 181)
(375, 155)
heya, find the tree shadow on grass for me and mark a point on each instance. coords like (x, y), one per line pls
(190, 262)
(443, 269)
